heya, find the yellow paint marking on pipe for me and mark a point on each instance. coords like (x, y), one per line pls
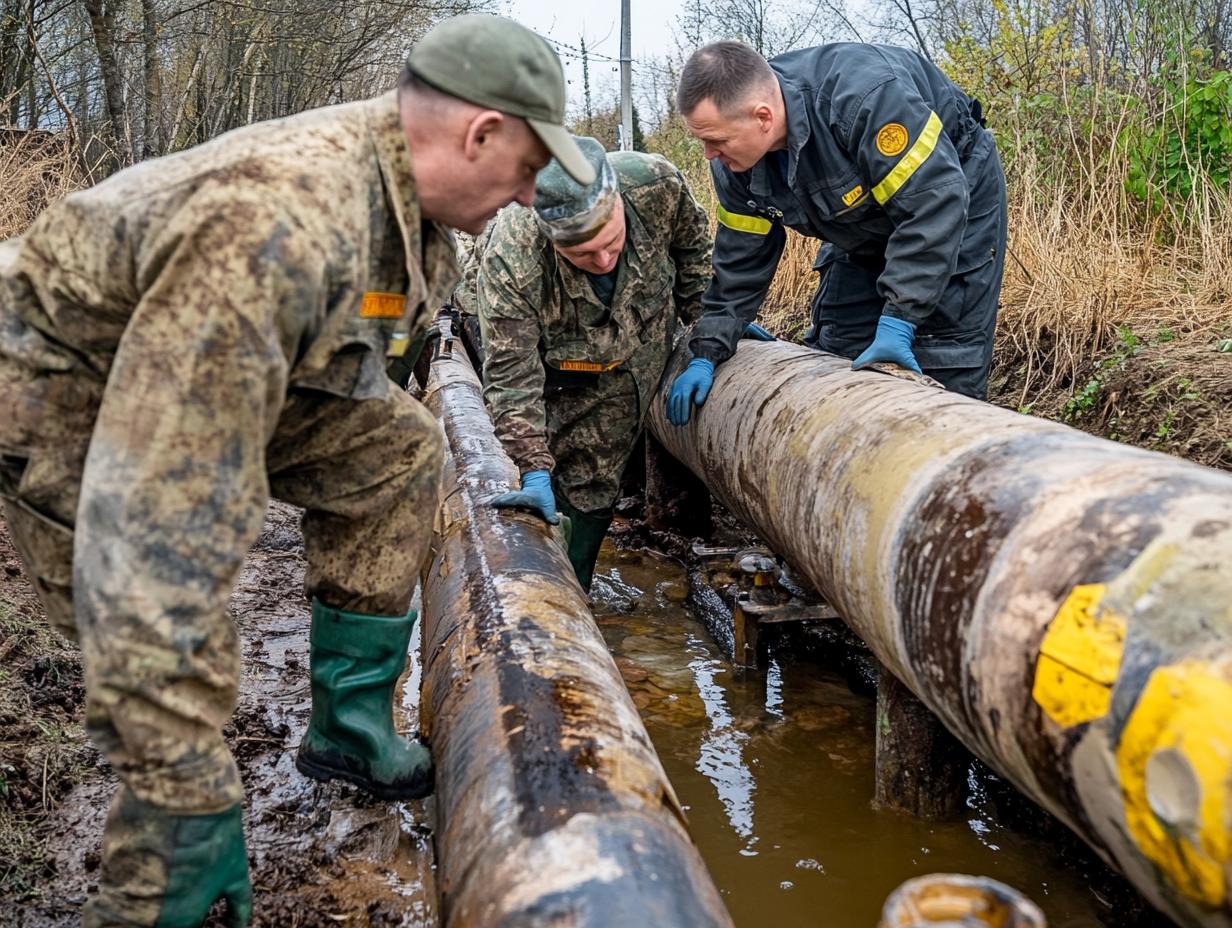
(1175, 764)
(1080, 658)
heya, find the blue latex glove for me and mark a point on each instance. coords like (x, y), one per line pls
(693, 386)
(753, 330)
(891, 343)
(536, 494)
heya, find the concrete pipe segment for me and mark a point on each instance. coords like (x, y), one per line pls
(1061, 602)
(552, 806)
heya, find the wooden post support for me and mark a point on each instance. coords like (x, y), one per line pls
(745, 630)
(676, 500)
(921, 767)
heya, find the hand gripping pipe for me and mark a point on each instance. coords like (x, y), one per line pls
(1062, 603)
(552, 806)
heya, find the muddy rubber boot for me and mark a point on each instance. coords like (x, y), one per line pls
(166, 870)
(354, 662)
(586, 534)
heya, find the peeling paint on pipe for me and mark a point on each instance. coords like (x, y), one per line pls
(552, 806)
(1061, 602)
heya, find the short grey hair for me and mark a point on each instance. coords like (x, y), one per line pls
(724, 73)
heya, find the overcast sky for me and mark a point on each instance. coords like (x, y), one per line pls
(566, 21)
(653, 25)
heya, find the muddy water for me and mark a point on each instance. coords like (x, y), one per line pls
(775, 769)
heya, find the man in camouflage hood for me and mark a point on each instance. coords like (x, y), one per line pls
(579, 301)
(203, 331)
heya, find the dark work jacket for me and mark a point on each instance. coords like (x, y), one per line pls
(880, 146)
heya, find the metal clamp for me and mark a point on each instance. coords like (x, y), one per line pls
(445, 320)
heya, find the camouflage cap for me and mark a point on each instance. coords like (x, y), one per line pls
(570, 212)
(497, 63)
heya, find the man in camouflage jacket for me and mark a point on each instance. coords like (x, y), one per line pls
(579, 301)
(201, 332)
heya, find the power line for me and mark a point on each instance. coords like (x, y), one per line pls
(573, 53)
(565, 50)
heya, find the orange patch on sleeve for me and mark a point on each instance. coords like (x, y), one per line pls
(377, 305)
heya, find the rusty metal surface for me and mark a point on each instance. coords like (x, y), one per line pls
(552, 806)
(962, 542)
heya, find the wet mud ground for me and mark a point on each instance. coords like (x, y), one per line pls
(774, 767)
(320, 855)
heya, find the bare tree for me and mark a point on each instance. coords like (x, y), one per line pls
(102, 15)
(915, 21)
(143, 78)
(152, 72)
(587, 102)
(769, 26)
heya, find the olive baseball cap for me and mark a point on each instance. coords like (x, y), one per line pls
(494, 62)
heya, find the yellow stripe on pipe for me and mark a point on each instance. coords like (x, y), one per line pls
(752, 224)
(910, 162)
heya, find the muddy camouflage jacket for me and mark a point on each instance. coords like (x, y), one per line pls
(537, 311)
(308, 228)
(877, 138)
(212, 321)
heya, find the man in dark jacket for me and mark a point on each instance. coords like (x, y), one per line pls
(875, 151)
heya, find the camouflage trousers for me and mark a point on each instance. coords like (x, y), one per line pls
(162, 659)
(591, 431)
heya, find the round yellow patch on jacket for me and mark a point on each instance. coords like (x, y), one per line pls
(891, 139)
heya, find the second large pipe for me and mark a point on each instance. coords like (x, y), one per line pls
(1061, 602)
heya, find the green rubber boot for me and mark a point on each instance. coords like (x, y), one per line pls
(587, 531)
(355, 661)
(167, 870)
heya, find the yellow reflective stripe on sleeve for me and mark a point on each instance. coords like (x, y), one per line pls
(907, 165)
(754, 224)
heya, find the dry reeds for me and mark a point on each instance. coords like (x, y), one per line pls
(786, 312)
(37, 168)
(1086, 261)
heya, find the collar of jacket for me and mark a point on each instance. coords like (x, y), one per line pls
(799, 128)
(431, 261)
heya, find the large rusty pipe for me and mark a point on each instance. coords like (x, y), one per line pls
(552, 806)
(1061, 602)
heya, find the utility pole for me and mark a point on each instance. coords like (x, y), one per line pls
(626, 93)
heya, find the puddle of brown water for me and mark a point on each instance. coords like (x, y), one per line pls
(775, 769)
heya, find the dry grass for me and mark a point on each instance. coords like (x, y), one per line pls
(36, 169)
(1083, 265)
(786, 310)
